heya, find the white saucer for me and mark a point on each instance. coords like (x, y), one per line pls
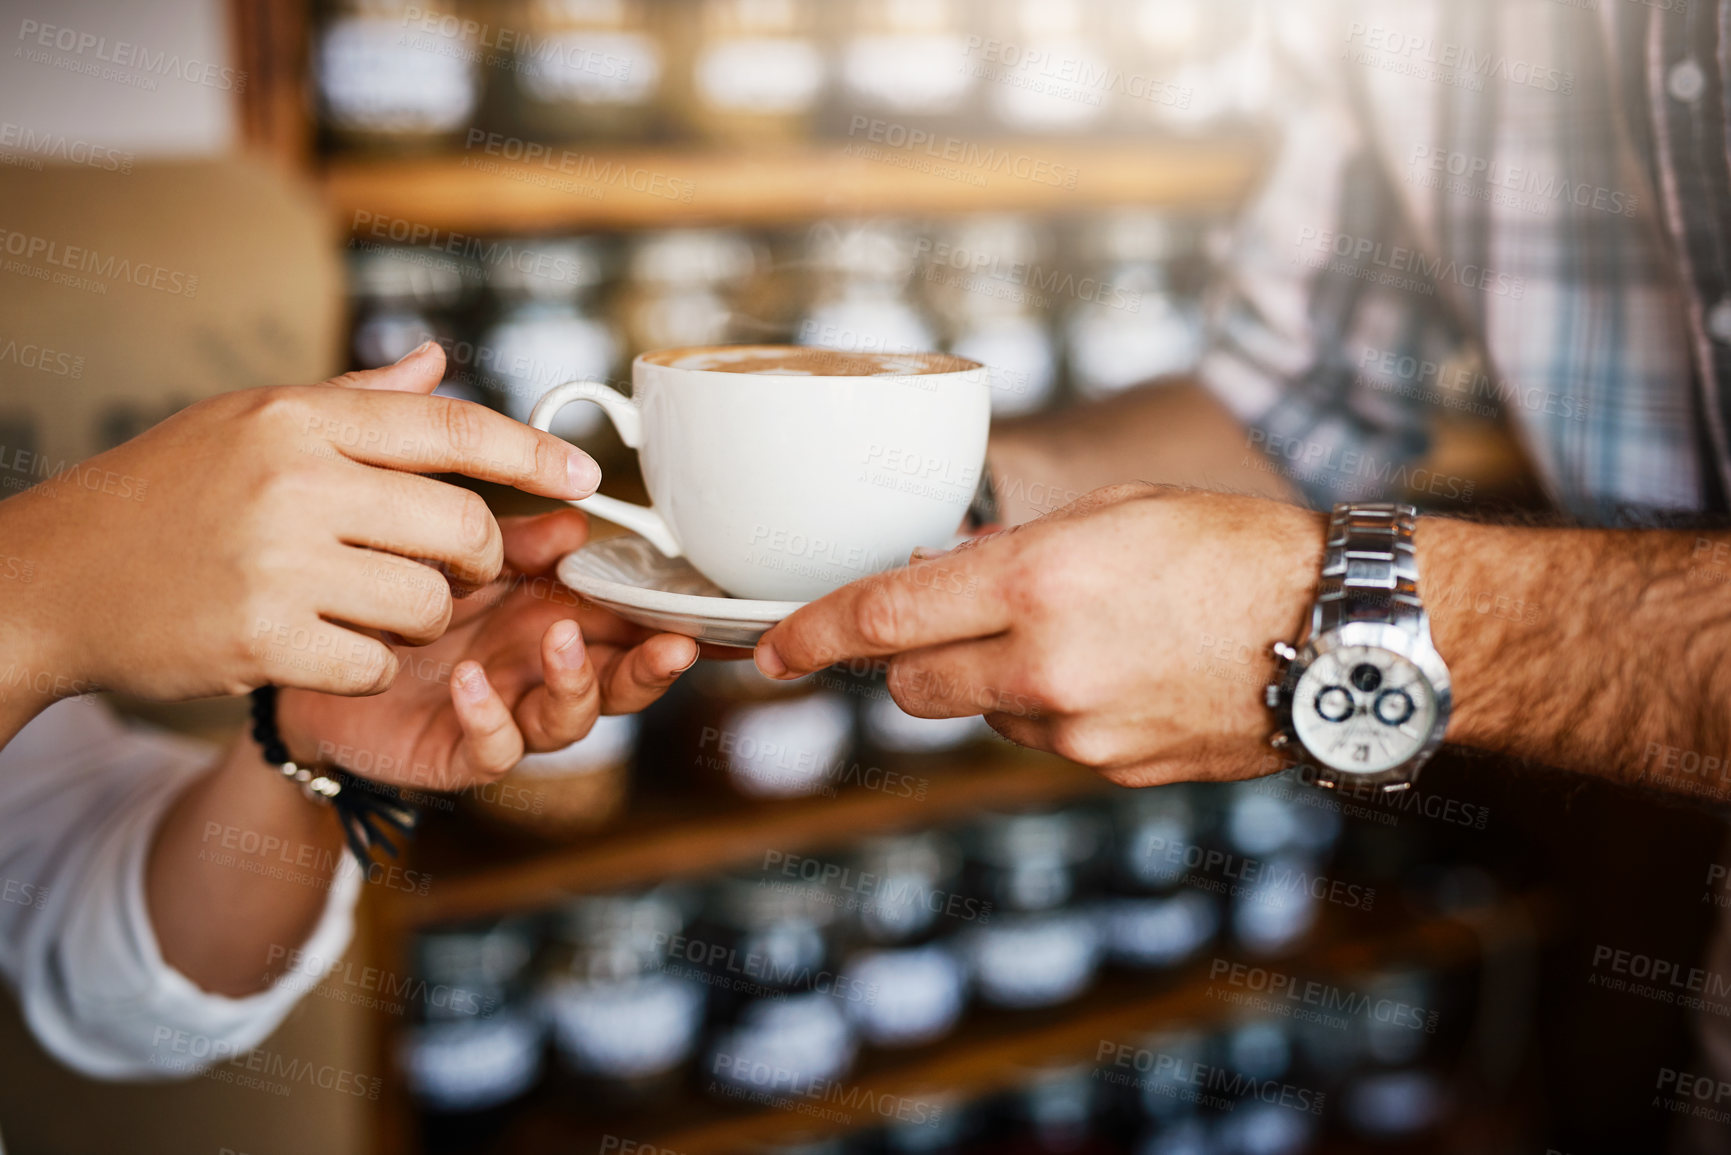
(636, 581)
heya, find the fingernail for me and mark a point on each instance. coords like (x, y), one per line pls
(584, 474)
(694, 656)
(416, 351)
(922, 553)
(565, 634)
(769, 661)
(472, 682)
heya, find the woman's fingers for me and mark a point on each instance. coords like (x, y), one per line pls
(491, 743)
(381, 591)
(534, 545)
(322, 656)
(417, 371)
(420, 518)
(640, 675)
(564, 707)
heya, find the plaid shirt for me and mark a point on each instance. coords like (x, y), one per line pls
(1513, 209)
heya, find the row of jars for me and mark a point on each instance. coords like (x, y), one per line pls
(520, 315)
(771, 981)
(392, 75)
(1256, 1086)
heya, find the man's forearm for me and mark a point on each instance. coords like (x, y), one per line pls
(1174, 432)
(239, 874)
(1591, 650)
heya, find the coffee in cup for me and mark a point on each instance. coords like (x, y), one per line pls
(783, 472)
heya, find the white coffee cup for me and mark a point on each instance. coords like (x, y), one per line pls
(784, 472)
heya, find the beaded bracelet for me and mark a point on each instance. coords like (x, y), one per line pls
(366, 809)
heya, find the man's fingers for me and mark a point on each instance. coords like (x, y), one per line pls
(418, 517)
(946, 599)
(643, 673)
(534, 545)
(444, 435)
(491, 744)
(419, 371)
(564, 707)
(1030, 732)
(381, 591)
(956, 680)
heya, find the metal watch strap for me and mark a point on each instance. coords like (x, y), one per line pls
(1370, 569)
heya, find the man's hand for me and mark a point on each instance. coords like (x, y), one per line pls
(524, 667)
(1128, 631)
(264, 536)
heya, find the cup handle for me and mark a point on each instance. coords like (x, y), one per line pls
(628, 419)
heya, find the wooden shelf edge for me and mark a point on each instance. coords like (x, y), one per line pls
(700, 844)
(579, 187)
(1443, 942)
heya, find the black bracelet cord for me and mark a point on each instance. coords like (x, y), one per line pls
(368, 810)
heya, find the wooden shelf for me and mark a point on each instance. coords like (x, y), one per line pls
(574, 187)
(679, 838)
(992, 1051)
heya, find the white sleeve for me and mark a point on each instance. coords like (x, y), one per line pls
(80, 799)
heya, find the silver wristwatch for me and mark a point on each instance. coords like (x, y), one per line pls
(1365, 699)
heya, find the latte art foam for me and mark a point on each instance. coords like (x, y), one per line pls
(800, 361)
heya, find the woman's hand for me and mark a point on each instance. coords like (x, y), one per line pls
(258, 536)
(524, 667)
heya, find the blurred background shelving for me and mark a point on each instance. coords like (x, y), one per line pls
(547, 188)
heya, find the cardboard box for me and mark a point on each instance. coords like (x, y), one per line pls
(125, 295)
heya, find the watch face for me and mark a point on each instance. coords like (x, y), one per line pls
(1362, 709)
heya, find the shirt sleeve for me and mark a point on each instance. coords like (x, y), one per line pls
(81, 796)
(1318, 321)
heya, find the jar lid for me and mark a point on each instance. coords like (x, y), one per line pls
(1021, 839)
(542, 268)
(405, 273)
(994, 244)
(477, 954)
(928, 854)
(622, 918)
(1139, 235)
(861, 250)
(758, 900)
(692, 257)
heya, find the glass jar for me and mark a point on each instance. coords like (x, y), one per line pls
(1141, 326)
(1272, 913)
(769, 739)
(1163, 1093)
(475, 1041)
(981, 278)
(1188, 66)
(781, 1024)
(1055, 1111)
(400, 296)
(1040, 945)
(1151, 918)
(1044, 66)
(1290, 844)
(907, 60)
(395, 77)
(861, 300)
(757, 70)
(588, 69)
(680, 286)
(902, 917)
(623, 1022)
(546, 332)
(935, 1122)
